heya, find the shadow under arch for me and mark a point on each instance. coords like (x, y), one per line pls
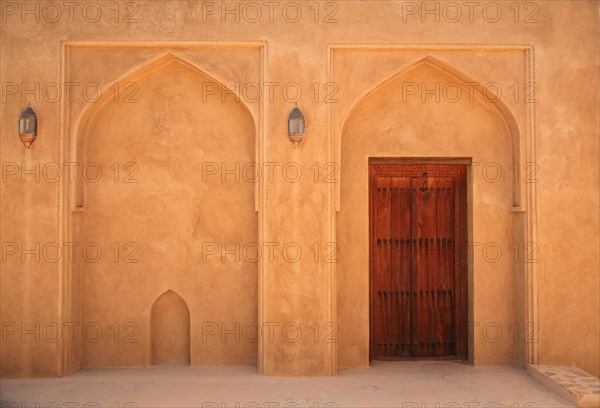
(467, 84)
(170, 330)
(136, 75)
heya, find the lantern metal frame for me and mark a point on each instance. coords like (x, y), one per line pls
(28, 125)
(296, 126)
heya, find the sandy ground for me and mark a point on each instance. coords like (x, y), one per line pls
(384, 384)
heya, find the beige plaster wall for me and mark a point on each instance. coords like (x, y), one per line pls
(568, 154)
(35, 291)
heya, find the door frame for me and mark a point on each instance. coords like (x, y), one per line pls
(391, 165)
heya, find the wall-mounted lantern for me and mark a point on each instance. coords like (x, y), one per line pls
(28, 127)
(296, 124)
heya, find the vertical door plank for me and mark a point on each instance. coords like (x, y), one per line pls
(461, 264)
(401, 264)
(446, 288)
(426, 273)
(383, 253)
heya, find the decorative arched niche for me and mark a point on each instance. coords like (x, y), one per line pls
(170, 330)
(153, 218)
(388, 122)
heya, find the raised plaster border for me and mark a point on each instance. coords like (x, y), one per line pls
(529, 204)
(63, 208)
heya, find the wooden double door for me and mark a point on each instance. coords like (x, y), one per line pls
(418, 260)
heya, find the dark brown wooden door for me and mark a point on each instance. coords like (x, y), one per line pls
(418, 260)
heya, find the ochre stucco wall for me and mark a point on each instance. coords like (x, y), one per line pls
(171, 51)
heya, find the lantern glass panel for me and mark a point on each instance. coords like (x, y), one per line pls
(296, 126)
(292, 126)
(27, 125)
(31, 125)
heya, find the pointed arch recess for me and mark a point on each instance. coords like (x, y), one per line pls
(498, 106)
(70, 130)
(136, 75)
(523, 151)
(170, 330)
